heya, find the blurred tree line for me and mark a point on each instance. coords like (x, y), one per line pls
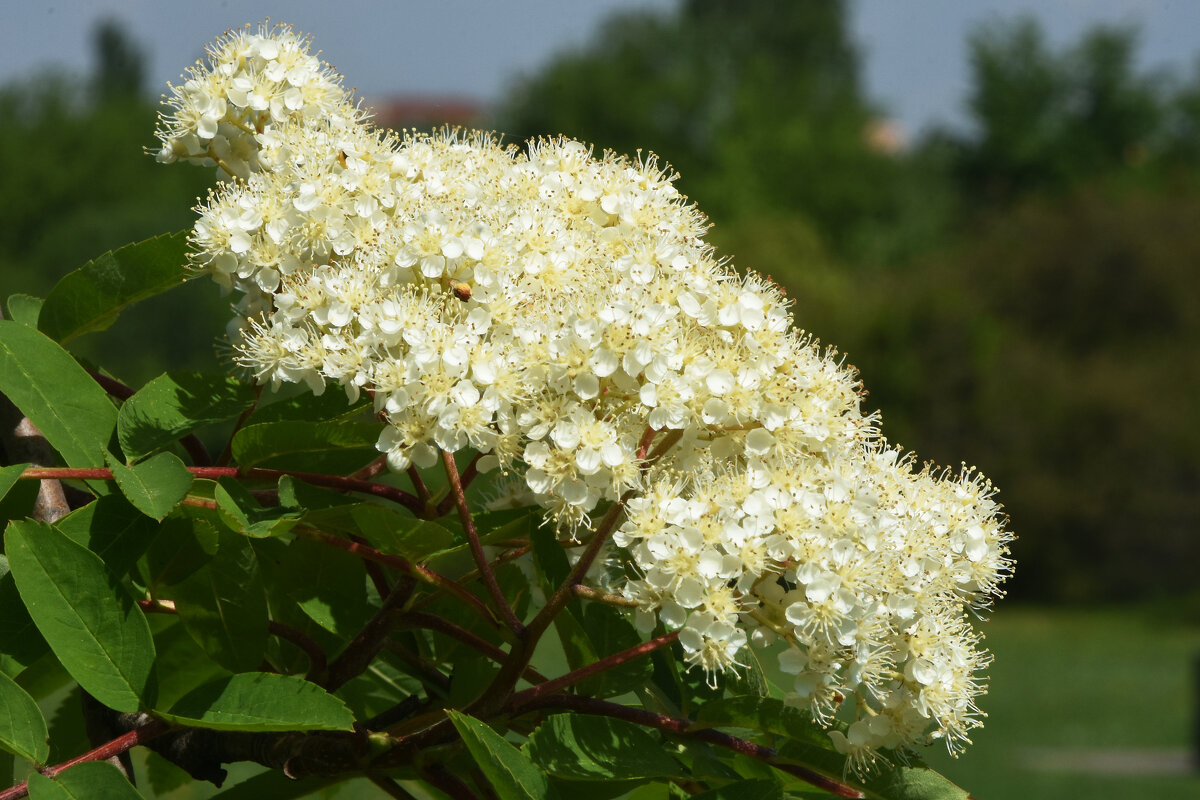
(78, 183)
(1023, 295)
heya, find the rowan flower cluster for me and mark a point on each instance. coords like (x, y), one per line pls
(563, 315)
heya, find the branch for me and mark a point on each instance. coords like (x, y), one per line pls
(140, 735)
(687, 729)
(440, 778)
(433, 622)
(485, 569)
(422, 574)
(338, 482)
(502, 685)
(366, 645)
(468, 477)
(597, 596)
(583, 673)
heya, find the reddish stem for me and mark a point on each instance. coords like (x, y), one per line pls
(433, 622)
(418, 483)
(644, 444)
(371, 470)
(597, 596)
(145, 733)
(339, 482)
(583, 673)
(468, 477)
(419, 572)
(485, 569)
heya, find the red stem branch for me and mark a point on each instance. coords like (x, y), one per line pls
(404, 565)
(485, 569)
(468, 476)
(338, 482)
(145, 733)
(583, 673)
(432, 622)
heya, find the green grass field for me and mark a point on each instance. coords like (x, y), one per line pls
(1084, 704)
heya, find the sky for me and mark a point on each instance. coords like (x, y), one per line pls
(915, 58)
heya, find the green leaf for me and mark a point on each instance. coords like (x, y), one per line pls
(329, 586)
(334, 448)
(398, 534)
(241, 512)
(551, 561)
(892, 782)
(511, 773)
(93, 296)
(472, 674)
(25, 308)
(750, 679)
(16, 496)
(154, 486)
(765, 714)
(591, 748)
(9, 477)
(224, 607)
(21, 643)
(22, 726)
(261, 701)
(744, 790)
(307, 407)
(173, 405)
(92, 625)
(184, 545)
(275, 785)
(58, 396)
(610, 631)
(111, 528)
(332, 512)
(912, 783)
(91, 780)
(595, 790)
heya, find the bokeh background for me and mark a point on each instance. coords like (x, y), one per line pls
(994, 215)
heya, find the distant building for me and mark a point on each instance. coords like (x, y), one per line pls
(885, 136)
(428, 112)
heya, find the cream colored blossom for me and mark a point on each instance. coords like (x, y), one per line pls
(562, 314)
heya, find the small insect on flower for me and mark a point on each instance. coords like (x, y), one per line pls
(461, 290)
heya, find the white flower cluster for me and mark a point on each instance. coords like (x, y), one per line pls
(563, 315)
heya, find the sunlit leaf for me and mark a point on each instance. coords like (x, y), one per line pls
(593, 747)
(175, 404)
(261, 701)
(154, 486)
(93, 296)
(56, 394)
(22, 726)
(241, 512)
(336, 448)
(24, 308)
(111, 528)
(91, 780)
(94, 627)
(512, 774)
(224, 607)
